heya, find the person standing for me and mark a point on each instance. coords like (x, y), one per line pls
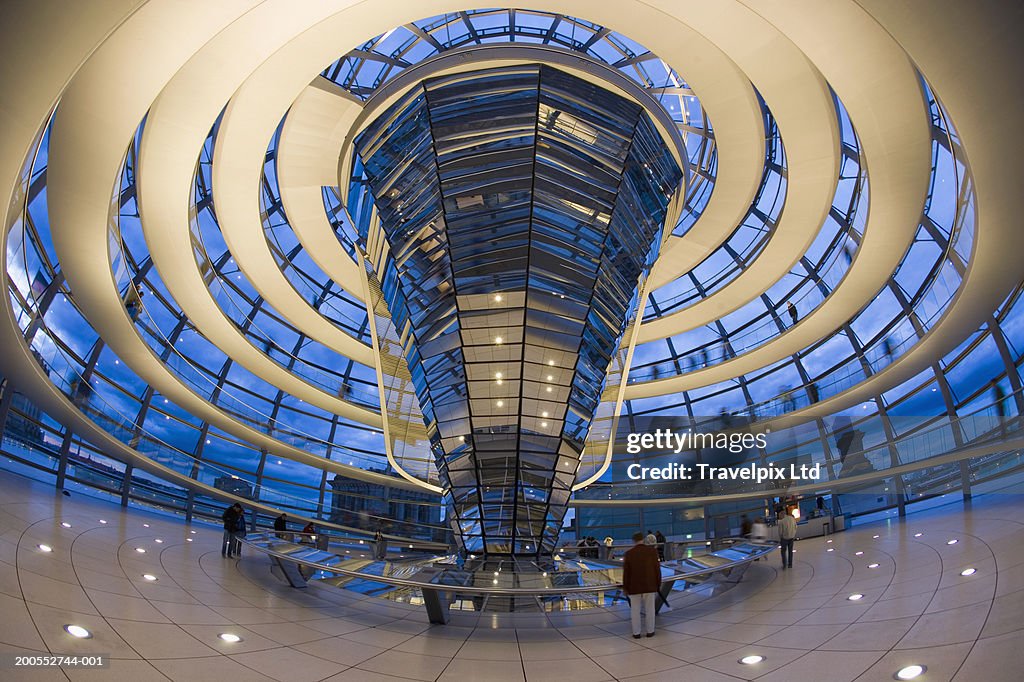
(229, 519)
(660, 537)
(380, 546)
(787, 534)
(791, 309)
(237, 533)
(609, 543)
(281, 526)
(641, 579)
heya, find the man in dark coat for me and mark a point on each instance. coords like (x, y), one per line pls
(641, 579)
(230, 519)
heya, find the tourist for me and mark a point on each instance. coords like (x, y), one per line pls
(641, 579)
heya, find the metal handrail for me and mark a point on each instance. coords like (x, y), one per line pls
(252, 540)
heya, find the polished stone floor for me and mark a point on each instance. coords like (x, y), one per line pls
(916, 608)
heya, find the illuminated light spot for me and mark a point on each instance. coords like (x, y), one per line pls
(549, 389)
(858, 553)
(230, 637)
(497, 375)
(498, 340)
(145, 525)
(917, 535)
(830, 550)
(103, 521)
(551, 363)
(140, 550)
(544, 414)
(910, 672)
(751, 660)
(45, 548)
(65, 524)
(150, 577)
(856, 596)
(497, 297)
(544, 425)
(968, 571)
(500, 403)
(159, 541)
(77, 631)
(872, 565)
(952, 542)
(551, 377)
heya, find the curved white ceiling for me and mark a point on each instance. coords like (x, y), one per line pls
(112, 63)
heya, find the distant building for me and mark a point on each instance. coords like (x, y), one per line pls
(362, 504)
(235, 486)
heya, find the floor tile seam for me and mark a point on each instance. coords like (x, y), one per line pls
(71, 562)
(457, 651)
(988, 613)
(942, 564)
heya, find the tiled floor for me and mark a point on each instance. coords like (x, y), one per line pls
(916, 608)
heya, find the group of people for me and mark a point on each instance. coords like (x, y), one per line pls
(234, 530)
(589, 548)
(641, 581)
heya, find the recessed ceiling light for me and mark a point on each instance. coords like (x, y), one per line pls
(192, 532)
(500, 382)
(874, 537)
(150, 577)
(856, 596)
(103, 520)
(751, 660)
(917, 535)
(952, 542)
(830, 550)
(497, 375)
(159, 541)
(551, 377)
(543, 425)
(872, 565)
(145, 525)
(968, 571)
(910, 672)
(230, 637)
(497, 297)
(828, 542)
(462, 438)
(549, 389)
(498, 340)
(65, 524)
(140, 550)
(501, 403)
(495, 582)
(77, 631)
(188, 539)
(45, 548)
(544, 414)
(857, 553)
